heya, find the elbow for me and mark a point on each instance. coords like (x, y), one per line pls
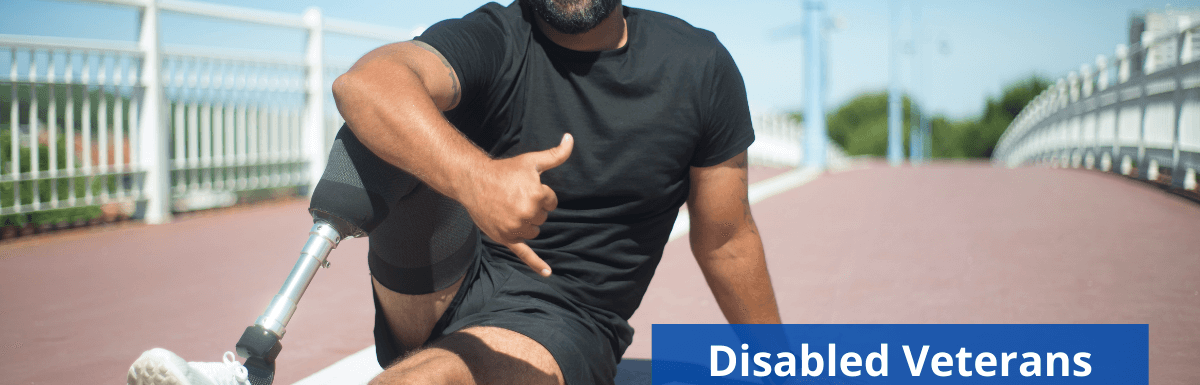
(710, 236)
(724, 241)
(344, 86)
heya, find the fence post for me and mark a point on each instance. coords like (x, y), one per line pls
(1073, 86)
(1074, 124)
(1182, 46)
(1122, 63)
(1185, 50)
(1087, 148)
(1144, 169)
(1101, 73)
(1148, 57)
(1089, 84)
(1063, 98)
(314, 119)
(153, 147)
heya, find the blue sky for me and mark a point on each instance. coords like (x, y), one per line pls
(989, 43)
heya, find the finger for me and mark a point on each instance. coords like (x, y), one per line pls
(549, 199)
(526, 231)
(530, 231)
(530, 258)
(539, 218)
(556, 156)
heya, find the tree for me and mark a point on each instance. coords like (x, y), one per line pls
(980, 138)
(860, 125)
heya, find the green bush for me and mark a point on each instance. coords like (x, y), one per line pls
(63, 186)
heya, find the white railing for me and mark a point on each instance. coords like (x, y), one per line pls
(779, 141)
(1148, 119)
(46, 167)
(165, 129)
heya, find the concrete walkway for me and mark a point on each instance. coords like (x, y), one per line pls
(945, 243)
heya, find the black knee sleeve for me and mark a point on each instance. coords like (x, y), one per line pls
(420, 240)
(425, 245)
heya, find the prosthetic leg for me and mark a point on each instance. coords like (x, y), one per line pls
(348, 201)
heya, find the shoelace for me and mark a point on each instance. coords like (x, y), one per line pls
(231, 360)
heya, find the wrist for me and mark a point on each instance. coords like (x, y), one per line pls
(466, 182)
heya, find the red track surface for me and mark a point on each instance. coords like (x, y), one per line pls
(947, 243)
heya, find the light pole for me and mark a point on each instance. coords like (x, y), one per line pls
(916, 148)
(815, 137)
(895, 152)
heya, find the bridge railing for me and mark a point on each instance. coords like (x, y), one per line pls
(165, 128)
(778, 142)
(1115, 116)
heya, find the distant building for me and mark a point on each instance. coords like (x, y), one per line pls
(1159, 23)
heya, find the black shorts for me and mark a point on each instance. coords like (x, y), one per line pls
(494, 293)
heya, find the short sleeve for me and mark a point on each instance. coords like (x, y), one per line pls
(726, 127)
(476, 45)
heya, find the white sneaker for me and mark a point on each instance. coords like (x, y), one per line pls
(159, 366)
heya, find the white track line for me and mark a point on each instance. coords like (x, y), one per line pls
(758, 191)
(359, 368)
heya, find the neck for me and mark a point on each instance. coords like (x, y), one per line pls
(610, 34)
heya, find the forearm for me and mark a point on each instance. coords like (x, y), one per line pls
(736, 272)
(390, 108)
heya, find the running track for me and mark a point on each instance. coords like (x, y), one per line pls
(944, 243)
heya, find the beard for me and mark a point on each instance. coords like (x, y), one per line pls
(572, 17)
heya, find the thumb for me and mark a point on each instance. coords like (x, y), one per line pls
(530, 258)
(556, 156)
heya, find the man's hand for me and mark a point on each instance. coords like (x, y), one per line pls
(508, 201)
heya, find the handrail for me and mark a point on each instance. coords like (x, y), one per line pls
(234, 13)
(234, 55)
(63, 43)
(354, 28)
(262, 17)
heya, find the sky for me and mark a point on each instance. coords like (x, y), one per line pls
(971, 49)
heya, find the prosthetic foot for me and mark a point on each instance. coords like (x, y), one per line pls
(161, 367)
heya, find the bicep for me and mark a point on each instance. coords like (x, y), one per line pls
(428, 65)
(719, 204)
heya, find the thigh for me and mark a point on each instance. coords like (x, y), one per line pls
(477, 355)
(411, 318)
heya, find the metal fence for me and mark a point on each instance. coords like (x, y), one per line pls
(1148, 120)
(156, 129)
(160, 129)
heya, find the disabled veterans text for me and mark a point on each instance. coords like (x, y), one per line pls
(724, 361)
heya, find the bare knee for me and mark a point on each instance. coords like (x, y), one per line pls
(501, 356)
(480, 355)
(426, 367)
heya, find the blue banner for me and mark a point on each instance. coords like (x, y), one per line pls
(901, 354)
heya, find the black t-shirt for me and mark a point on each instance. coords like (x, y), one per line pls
(641, 115)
